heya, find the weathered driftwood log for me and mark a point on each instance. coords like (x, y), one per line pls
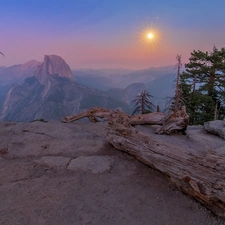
(175, 121)
(199, 174)
(91, 114)
(94, 113)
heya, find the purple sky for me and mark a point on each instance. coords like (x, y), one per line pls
(109, 34)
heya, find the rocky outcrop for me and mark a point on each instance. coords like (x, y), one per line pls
(53, 65)
(216, 127)
(57, 173)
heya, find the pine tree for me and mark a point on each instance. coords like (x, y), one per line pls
(142, 103)
(205, 85)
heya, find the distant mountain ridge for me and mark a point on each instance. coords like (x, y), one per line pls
(128, 94)
(106, 72)
(157, 80)
(51, 92)
(107, 80)
(17, 73)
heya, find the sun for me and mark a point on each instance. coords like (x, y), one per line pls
(150, 35)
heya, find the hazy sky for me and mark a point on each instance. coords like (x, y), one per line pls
(108, 33)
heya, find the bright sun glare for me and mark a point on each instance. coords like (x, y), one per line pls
(150, 35)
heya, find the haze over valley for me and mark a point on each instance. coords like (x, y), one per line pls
(51, 90)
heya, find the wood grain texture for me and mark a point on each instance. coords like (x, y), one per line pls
(199, 174)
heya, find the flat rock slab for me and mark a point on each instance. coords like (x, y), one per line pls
(131, 193)
(58, 162)
(93, 164)
(20, 140)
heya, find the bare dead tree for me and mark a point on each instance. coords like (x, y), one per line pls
(143, 103)
(177, 90)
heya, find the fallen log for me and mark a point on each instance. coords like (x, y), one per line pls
(200, 174)
(172, 122)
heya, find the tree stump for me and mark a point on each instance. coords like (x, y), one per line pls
(175, 121)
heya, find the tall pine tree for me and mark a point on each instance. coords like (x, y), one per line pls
(203, 85)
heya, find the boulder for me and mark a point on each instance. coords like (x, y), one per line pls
(216, 127)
